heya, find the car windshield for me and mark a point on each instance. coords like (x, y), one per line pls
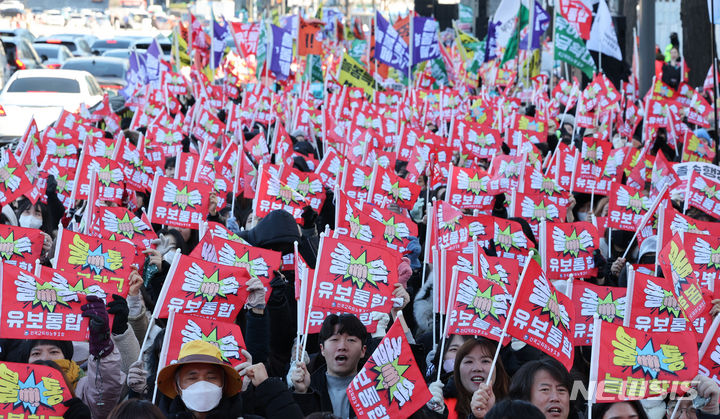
(47, 50)
(98, 68)
(44, 84)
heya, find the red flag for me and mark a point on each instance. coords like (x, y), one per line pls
(109, 180)
(468, 188)
(578, 15)
(330, 168)
(630, 364)
(355, 276)
(260, 263)
(479, 307)
(543, 317)
(709, 353)
(183, 328)
(704, 194)
(591, 165)
(703, 251)
(352, 221)
(118, 223)
(652, 306)
(607, 302)
(307, 40)
(246, 37)
(570, 248)
(676, 265)
(33, 391)
(389, 187)
(13, 178)
(272, 194)
(177, 203)
(626, 207)
(194, 286)
(20, 246)
(47, 306)
(390, 383)
(510, 241)
(535, 207)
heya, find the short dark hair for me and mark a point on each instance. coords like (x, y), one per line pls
(348, 324)
(508, 409)
(136, 409)
(522, 381)
(599, 409)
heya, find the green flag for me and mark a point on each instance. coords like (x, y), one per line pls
(261, 55)
(438, 72)
(511, 49)
(465, 14)
(569, 47)
(357, 49)
(313, 68)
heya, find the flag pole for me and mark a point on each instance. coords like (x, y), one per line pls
(645, 218)
(453, 285)
(509, 315)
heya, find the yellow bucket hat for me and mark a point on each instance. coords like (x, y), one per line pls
(198, 352)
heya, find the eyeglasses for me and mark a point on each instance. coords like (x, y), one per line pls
(689, 412)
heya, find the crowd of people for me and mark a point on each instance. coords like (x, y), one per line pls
(118, 374)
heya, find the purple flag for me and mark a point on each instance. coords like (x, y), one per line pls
(282, 52)
(541, 20)
(491, 43)
(425, 39)
(152, 61)
(390, 48)
(220, 32)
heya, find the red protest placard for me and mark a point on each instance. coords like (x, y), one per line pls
(709, 353)
(630, 364)
(626, 207)
(390, 383)
(95, 259)
(210, 290)
(20, 246)
(178, 203)
(703, 251)
(570, 248)
(480, 307)
(607, 302)
(676, 265)
(468, 188)
(32, 391)
(47, 306)
(355, 276)
(543, 317)
(183, 328)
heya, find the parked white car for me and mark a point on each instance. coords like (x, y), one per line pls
(43, 94)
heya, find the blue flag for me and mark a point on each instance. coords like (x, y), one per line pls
(541, 21)
(281, 52)
(390, 48)
(425, 39)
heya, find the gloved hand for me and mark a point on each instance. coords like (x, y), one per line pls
(256, 294)
(278, 284)
(119, 307)
(233, 225)
(163, 244)
(309, 217)
(137, 377)
(437, 402)
(404, 271)
(100, 342)
(383, 320)
(51, 185)
(76, 409)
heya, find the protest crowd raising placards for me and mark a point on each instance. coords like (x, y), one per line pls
(384, 222)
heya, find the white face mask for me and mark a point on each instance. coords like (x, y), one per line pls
(169, 256)
(201, 396)
(448, 365)
(582, 216)
(29, 221)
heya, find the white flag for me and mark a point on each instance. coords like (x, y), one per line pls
(505, 20)
(602, 35)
